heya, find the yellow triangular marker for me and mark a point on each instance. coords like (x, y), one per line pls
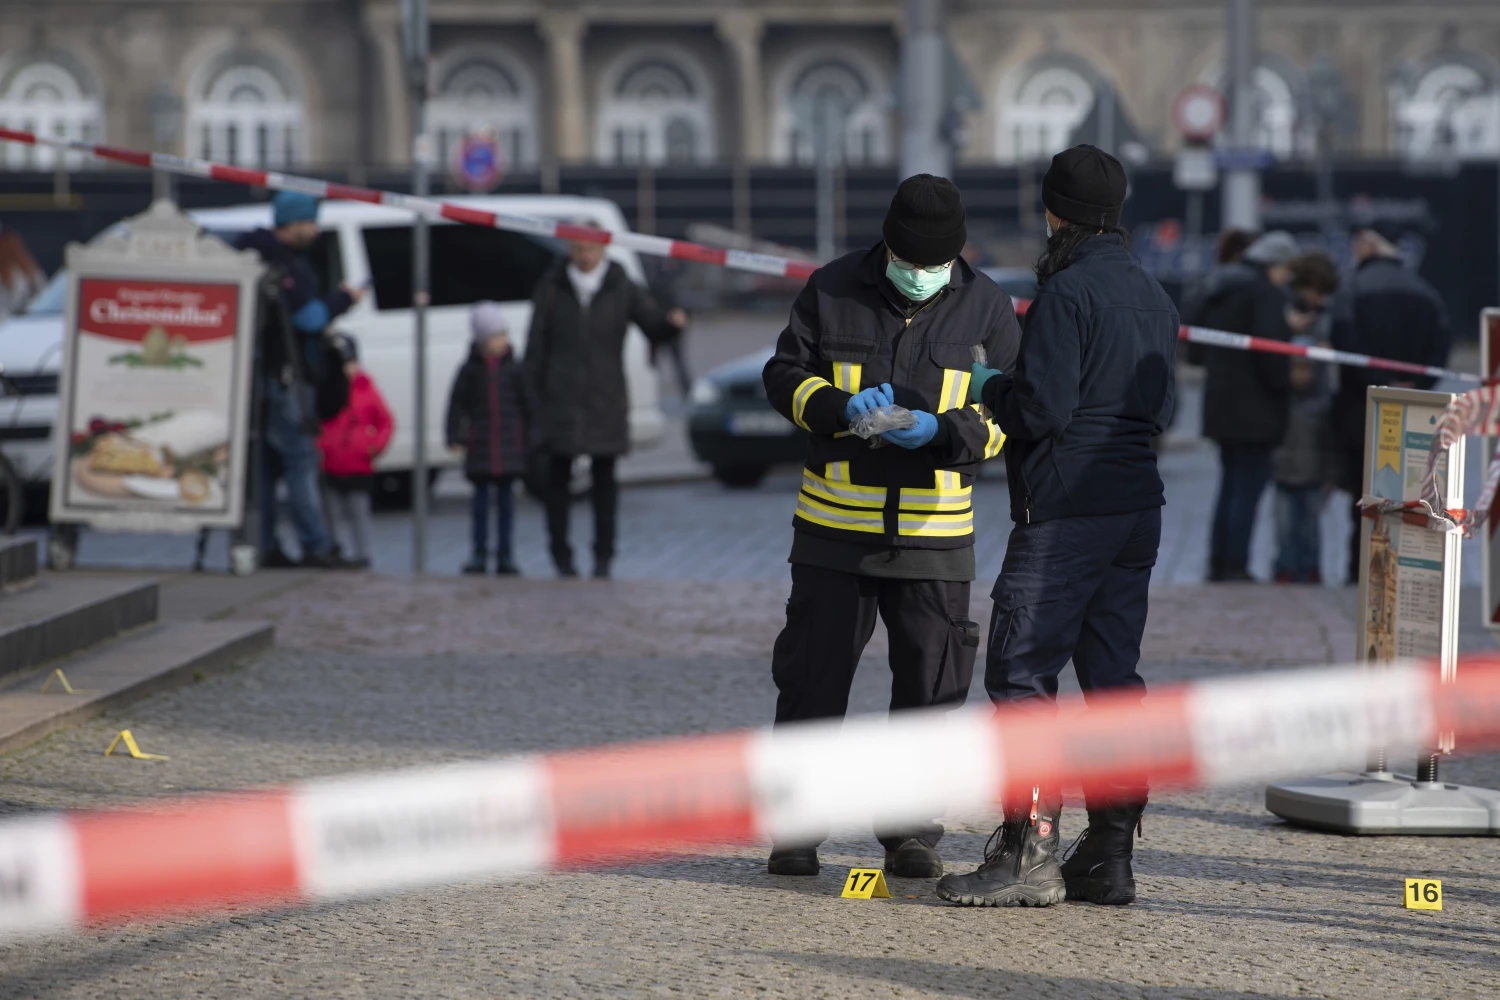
(62, 679)
(135, 751)
(865, 883)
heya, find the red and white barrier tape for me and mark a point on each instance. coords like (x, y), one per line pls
(361, 835)
(656, 246)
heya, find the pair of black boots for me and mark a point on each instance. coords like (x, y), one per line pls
(1021, 866)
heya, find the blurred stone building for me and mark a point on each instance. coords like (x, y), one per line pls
(287, 83)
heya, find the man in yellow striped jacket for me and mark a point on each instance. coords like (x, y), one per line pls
(887, 524)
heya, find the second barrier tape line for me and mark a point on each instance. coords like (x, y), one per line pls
(658, 246)
(340, 837)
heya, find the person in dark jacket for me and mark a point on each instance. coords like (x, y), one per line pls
(290, 329)
(1094, 382)
(575, 372)
(1246, 395)
(488, 417)
(888, 529)
(1389, 312)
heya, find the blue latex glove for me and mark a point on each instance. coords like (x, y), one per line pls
(914, 437)
(868, 399)
(978, 376)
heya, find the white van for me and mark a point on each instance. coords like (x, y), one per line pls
(370, 245)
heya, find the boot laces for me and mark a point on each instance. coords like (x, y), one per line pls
(1001, 844)
(1073, 847)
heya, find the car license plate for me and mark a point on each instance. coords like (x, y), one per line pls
(759, 423)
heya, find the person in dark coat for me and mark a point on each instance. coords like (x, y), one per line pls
(291, 327)
(1389, 311)
(488, 415)
(885, 525)
(1247, 394)
(575, 371)
(1094, 382)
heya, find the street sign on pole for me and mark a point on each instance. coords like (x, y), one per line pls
(1241, 189)
(478, 162)
(1199, 112)
(1195, 169)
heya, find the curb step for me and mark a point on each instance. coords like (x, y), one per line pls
(161, 657)
(18, 562)
(60, 616)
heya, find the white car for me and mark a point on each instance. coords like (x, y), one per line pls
(364, 245)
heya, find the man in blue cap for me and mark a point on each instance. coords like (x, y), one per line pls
(290, 328)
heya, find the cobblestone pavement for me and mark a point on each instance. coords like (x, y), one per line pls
(388, 672)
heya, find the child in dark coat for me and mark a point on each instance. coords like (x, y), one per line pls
(488, 418)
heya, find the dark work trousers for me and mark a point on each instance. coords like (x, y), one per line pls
(1245, 471)
(1073, 587)
(605, 493)
(829, 619)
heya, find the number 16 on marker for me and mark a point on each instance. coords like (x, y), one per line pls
(1423, 894)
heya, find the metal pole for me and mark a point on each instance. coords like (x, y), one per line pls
(823, 139)
(1241, 192)
(416, 41)
(924, 148)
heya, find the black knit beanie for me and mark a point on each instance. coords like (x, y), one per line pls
(1085, 185)
(925, 224)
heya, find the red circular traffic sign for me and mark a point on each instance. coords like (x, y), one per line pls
(1199, 112)
(478, 162)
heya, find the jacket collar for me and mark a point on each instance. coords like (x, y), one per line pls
(1104, 243)
(613, 272)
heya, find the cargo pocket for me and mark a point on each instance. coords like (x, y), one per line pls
(794, 646)
(956, 672)
(1023, 632)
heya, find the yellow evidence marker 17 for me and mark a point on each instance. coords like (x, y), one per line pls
(865, 883)
(1423, 894)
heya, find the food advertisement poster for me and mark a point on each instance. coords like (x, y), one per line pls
(153, 408)
(1410, 571)
(154, 385)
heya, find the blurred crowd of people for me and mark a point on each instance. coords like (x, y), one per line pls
(1291, 422)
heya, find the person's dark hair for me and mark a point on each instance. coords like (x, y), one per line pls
(1232, 244)
(1314, 272)
(1064, 243)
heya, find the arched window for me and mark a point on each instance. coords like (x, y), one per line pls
(656, 108)
(1038, 118)
(45, 97)
(834, 82)
(1450, 110)
(1276, 95)
(246, 115)
(485, 90)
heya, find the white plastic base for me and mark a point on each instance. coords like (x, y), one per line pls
(1386, 803)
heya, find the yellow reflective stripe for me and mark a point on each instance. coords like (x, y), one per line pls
(997, 436)
(847, 520)
(947, 479)
(837, 472)
(843, 492)
(936, 525)
(802, 395)
(955, 389)
(846, 375)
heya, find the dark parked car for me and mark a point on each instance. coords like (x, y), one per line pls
(733, 427)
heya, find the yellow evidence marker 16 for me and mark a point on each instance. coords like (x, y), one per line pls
(865, 883)
(1423, 894)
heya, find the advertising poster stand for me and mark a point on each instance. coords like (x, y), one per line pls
(154, 389)
(1408, 609)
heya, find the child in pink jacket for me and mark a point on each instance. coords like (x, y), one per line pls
(350, 443)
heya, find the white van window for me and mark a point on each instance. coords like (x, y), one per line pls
(49, 301)
(469, 263)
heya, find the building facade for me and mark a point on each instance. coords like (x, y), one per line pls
(309, 83)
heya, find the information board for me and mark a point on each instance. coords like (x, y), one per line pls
(1489, 364)
(1409, 573)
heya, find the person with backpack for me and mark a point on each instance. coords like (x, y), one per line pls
(350, 443)
(290, 347)
(488, 420)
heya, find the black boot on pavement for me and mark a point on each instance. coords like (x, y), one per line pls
(793, 861)
(1020, 860)
(1098, 871)
(914, 858)
(475, 566)
(506, 567)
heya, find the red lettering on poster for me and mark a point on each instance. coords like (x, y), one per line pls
(130, 310)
